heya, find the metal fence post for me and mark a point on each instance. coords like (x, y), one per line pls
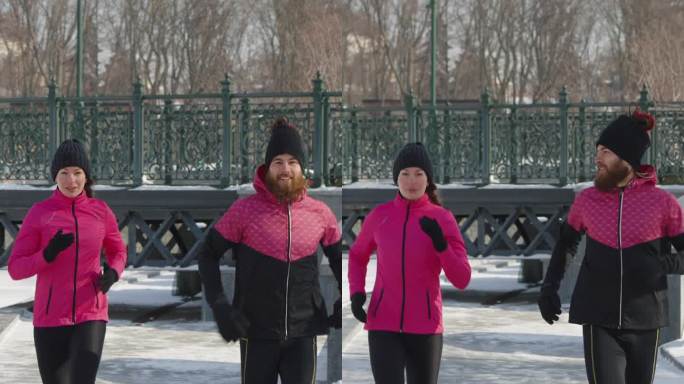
(93, 137)
(581, 153)
(79, 123)
(563, 105)
(244, 140)
(53, 132)
(318, 130)
(167, 139)
(62, 119)
(226, 145)
(650, 157)
(447, 169)
(411, 117)
(354, 146)
(485, 137)
(327, 176)
(137, 133)
(513, 149)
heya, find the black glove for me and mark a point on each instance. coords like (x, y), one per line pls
(549, 306)
(357, 301)
(232, 324)
(432, 229)
(108, 278)
(672, 263)
(57, 244)
(335, 320)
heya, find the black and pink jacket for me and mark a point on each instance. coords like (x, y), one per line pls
(622, 280)
(275, 248)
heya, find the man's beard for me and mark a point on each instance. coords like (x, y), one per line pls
(610, 177)
(286, 192)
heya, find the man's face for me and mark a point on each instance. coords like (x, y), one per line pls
(284, 177)
(611, 170)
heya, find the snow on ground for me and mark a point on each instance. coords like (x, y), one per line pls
(491, 278)
(144, 289)
(23, 187)
(158, 352)
(155, 187)
(675, 350)
(482, 344)
(506, 343)
(523, 186)
(137, 354)
(161, 351)
(388, 184)
(372, 184)
(15, 291)
(492, 345)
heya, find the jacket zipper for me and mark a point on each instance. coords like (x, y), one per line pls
(73, 303)
(427, 297)
(47, 307)
(289, 249)
(403, 269)
(622, 191)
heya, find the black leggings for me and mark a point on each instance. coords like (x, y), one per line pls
(69, 354)
(619, 356)
(392, 352)
(262, 361)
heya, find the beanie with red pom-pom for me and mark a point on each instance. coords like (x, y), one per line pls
(628, 136)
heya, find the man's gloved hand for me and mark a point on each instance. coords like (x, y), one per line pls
(431, 228)
(57, 244)
(335, 320)
(232, 324)
(108, 278)
(672, 263)
(549, 306)
(357, 301)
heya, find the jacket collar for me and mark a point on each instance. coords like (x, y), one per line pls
(61, 199)
(650, 178)
(400, 202)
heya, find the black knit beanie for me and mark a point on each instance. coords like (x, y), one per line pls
(412, 155)
(70, 153)
(627, 136)
(284, 139)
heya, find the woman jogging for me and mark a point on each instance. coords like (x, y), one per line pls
(60, 241)
(414, 239)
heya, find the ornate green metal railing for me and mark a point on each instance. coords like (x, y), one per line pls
(214, 139)
(550, 143)
(220, 138)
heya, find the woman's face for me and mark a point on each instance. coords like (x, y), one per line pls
(412, 183)
(71, 181)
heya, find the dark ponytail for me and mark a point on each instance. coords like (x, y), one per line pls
(88, 188)
(431, 191)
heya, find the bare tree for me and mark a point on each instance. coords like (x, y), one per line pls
(38, 40)
(521, 50)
